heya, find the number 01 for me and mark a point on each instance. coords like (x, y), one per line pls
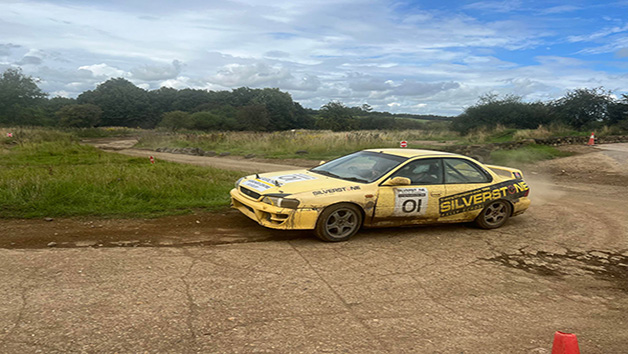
(411, 206)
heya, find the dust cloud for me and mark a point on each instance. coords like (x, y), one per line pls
(543, 190)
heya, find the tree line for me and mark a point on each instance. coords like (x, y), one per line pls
(118, 102)
(580, 109)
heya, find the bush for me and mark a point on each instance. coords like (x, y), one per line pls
(176, 120)
(79, 116)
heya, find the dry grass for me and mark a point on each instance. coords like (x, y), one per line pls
(539, 133)
(318, 144)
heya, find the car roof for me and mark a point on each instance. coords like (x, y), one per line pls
(412, 152)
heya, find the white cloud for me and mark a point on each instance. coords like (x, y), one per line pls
(599, 34)
(559, 9)
(263, 75)
(104, 70)
(497, 6)
(157, 72)
(420, 58)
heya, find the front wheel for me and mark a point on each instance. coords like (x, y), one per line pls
(494, 215)
(338, 222)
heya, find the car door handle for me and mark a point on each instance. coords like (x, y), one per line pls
(435, 194)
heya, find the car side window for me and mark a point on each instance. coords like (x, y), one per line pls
(422, 172)
(463, 171)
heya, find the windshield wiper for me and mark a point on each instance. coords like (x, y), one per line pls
(326, 173)
(331, 174)
(355, 179)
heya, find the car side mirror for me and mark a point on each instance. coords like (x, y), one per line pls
(397, 181)
(322, 162)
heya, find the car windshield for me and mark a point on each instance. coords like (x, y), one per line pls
(363, 166)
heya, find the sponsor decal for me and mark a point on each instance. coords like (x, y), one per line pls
(410, 201)
(263, 183)
(336, 190)
(257, 185)
(477, 198)
(281, 180)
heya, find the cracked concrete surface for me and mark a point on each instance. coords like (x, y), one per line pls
(414, 290)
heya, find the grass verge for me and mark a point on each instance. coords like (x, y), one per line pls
(63, 178)
(526, 155)
(320, 145)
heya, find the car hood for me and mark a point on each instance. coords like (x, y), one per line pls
(295, 182)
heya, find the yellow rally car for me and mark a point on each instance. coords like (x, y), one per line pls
(383, 187)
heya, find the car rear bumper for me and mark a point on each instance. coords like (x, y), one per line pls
(521, 206)
(274, 217)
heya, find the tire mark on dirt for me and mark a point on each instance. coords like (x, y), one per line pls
(607, 265)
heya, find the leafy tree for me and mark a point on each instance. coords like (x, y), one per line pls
(207, 121)
(281, 111)
(189, 100)
(583, 108)
(302, 118)
(253, 117)
(176, 120)
(49, 109)
(509, 111)
(618, 112)
(243, 96)
(79, 115)
(56, 103)
(162, 100)
(122, 104)
(19, 97)
(337, 117)
(228, 118)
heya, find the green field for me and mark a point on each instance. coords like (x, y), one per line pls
(51, 174)
(526, 155)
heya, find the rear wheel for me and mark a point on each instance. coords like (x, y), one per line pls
(338, 222)
(494, 215)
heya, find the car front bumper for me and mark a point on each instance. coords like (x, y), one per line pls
(274, 217)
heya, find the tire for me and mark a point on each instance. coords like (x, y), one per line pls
(494, 215)
(338, 222)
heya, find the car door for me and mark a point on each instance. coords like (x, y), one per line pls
(467, 189)
(414, 203)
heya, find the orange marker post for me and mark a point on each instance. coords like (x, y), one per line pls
(591, 139)
(565, 343)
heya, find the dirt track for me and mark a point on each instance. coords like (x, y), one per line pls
(220, 283)
(234, 163)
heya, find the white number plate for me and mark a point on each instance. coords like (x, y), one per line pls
(410, 201)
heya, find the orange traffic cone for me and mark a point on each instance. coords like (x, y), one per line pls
(591, 139)
(565, 343)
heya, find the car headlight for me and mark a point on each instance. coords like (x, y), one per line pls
(279, 200)
(238, 182)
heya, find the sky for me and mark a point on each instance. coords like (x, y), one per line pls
(422, 57)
